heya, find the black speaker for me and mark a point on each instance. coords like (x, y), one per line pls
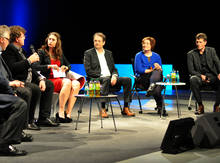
(206, 132)
(178, 136)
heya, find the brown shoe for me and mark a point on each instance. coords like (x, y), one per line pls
(103, 113)
(216, 109)
(126, 111)
(200, 110)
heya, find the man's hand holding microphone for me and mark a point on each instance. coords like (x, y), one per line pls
(33, 58)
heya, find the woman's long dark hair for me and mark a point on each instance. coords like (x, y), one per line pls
(58, 52)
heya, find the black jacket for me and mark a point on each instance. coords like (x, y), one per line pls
(92, 65)
(194, 64)
(45, 61)
(18, 66)
(7, 97)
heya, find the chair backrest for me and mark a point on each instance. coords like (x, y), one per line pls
(132, 62)
(137, 84)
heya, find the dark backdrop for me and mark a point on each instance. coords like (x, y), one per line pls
(74, 21)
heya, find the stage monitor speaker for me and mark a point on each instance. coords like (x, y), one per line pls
(206, 132)
(178, 136)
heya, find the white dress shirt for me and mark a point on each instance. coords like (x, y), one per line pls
(103, 64)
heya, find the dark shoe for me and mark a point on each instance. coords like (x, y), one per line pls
(150, 90)
(26, 137)
(200, 110)
(159, 109)
(164, 114)
(68, 120)
(47, 123)
(216, 109)
(12, 151)
(33, 126)
(59, 119)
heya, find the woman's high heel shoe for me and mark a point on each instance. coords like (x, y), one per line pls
(59, 119)
(68, 120)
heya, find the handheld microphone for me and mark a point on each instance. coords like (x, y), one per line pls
(32, 49)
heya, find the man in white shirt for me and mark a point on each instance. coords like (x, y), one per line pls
(99, 63)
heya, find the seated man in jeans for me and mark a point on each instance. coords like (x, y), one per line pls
(99, 63)
(204, 68)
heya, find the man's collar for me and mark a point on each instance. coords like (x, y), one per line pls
(103, 51)
(14, 46)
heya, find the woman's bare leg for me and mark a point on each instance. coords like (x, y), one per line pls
(63, 96)
(72, 99)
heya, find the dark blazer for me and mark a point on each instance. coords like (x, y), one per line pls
(4, 85)
(45, 60)
(18, 66)
(7, 97)
(92, 65)
(194, 64)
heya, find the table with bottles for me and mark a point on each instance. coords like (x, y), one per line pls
(92, 92)
(172, 79)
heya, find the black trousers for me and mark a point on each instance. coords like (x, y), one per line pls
(32, 95)
(124, 82)
(196, 84)
(12, 122)
(146, 79)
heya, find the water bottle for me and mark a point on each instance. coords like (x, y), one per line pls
(168, 78)
(177, 76)
(86, 89)
(97, 88)
(91, 89)
(94, 86)
(173, 76)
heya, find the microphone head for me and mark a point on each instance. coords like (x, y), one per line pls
(32, 48)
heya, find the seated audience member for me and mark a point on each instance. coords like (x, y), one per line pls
(18, 86)
(21, 69)
(99, 63)
(13, 110)
(204, 69)
(148, 68)
(52, 58)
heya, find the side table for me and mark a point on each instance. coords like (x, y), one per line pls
(97, 99)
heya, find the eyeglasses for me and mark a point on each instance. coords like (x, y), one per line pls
(7, 38)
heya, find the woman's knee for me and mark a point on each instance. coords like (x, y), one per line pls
(75, 85)
(156, 75)
(66, 82)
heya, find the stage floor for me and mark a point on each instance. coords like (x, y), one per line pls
(137, 139)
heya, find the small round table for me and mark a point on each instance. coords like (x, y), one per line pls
(177, 97)
(97, 99)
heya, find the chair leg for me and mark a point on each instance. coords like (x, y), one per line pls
(55, 99)
(119, 104)
(141, 111)
(190, 99)
(196, 106)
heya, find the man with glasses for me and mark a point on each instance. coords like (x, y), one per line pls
(13, 110)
